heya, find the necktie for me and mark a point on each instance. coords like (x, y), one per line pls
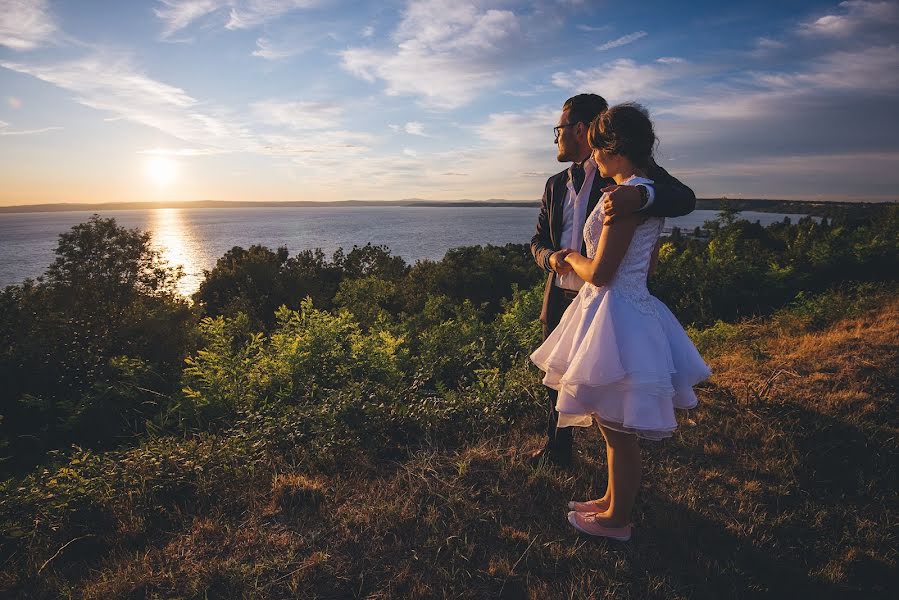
(577, 177)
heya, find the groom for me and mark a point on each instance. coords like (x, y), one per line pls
(568, 198)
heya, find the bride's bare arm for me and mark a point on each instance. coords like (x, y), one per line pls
(614, 241)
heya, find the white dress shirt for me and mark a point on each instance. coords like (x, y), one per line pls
(574, 213)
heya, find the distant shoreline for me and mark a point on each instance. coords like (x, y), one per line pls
(760, 205)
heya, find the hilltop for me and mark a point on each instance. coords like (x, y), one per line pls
(777, 484)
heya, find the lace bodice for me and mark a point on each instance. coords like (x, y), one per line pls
(630, 278)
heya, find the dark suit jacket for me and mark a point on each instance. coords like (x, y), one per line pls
(672, 199)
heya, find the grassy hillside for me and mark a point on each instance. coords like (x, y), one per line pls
(777, 485)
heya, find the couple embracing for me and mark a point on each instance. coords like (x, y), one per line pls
(612, 353)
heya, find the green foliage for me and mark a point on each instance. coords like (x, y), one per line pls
(257, 281)
(92, 350)
(744, 269)
(484, 275)
(308, 355)
(370, 299)
(517, 328)
(816, 311)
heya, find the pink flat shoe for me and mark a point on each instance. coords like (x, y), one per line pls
(586, 523)
(591, 506)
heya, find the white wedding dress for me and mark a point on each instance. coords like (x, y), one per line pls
(618, 354)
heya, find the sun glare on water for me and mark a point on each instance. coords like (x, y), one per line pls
(161, 171)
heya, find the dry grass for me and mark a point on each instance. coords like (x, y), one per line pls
(781, 488)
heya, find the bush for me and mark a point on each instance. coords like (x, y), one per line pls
(93, 349)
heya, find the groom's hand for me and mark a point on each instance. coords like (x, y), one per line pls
(620, 201)
(557, 261)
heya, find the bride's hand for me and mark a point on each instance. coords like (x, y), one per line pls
(557, 261)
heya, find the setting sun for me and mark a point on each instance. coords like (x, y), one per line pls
(161, 171)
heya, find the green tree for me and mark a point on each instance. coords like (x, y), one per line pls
(91, 350)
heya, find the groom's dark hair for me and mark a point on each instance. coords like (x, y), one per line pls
(583, 108)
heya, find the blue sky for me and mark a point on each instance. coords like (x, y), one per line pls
(437, 99)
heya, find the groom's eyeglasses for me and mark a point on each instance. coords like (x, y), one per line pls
(558, 129)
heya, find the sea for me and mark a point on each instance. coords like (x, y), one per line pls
(196, 237)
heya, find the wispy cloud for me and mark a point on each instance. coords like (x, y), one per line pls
(412, 128)
(623, 40)
(181, 151)
(298, 115)
(178, 14)
(592, 28)
(242, 14)
(112, 84)
(623, 79)
(446, 52)
(250, 13)
(26, 24)
(5, 131)
(855, 15)
(415, 128)
(268, 50)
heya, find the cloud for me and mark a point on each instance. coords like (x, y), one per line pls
(4, 131)
(764, 43)
(623, 79)
(250, 13)
(25, 24)
(591, 28)
(242, 14)
(367, 32)
(797, 176)
(181, 151)
(266, 49)
(870, 70)
(784, 127)
(114, 85)
(178, 14)
(856, 15)
(520, 134)
(415, 128)
(446, 52)
(833, 82)
(298, 115)
(623, 40)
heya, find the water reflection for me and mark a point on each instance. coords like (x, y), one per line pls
(174, 239)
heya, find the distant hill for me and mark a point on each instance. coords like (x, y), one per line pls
(762, 205)
(65, 206)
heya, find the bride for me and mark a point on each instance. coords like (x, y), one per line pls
(619, 356)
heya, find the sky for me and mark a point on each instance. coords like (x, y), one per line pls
(273, 100)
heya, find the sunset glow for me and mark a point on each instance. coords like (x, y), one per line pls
(161, 171)
(437, 99)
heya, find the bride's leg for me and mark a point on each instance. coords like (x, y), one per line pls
(601, 504)
(624, 476)
(607, 497)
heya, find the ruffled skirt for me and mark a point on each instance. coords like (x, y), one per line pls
(623, 359)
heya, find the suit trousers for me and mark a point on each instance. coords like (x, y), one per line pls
(559, 441)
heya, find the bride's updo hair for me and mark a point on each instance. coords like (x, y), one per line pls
(624, 129)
